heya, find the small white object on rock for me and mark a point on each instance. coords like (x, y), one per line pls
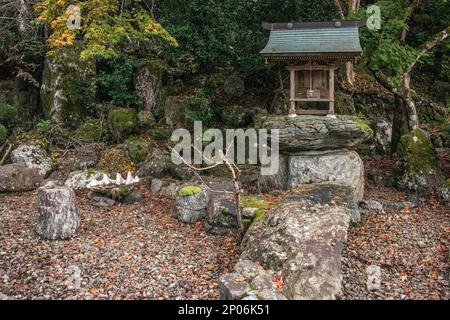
(57, 213)
(130, 179)
(119, 179)
(373, 278)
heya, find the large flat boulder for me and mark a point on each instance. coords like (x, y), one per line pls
(305, 133)
(345, 167)
(302, 238)
(311, 167)
(16, 177)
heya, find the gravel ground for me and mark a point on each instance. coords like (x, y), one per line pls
(411, 247)
(141, 252)
(134, 251)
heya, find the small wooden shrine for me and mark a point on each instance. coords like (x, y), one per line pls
(312, 50)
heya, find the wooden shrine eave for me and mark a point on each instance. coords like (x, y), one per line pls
(325, 57)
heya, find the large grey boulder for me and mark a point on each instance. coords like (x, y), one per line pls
(57, 213)
(302, 238)
(190, 207)
(344, 167)
(306, 133)
(33, 156)
(16, 177)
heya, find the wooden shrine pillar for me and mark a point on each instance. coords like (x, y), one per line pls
(292, 108)
(331, 102)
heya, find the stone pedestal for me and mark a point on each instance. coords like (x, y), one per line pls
(57, 213)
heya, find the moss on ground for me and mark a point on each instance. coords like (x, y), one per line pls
(188, 191)
(254, 202)
(417, 154)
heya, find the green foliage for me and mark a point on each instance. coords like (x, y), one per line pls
(188, 191)
(8, 115)
(123, 123)
(231, 34)
(383, 51)
(109, 27)
(3, 134)
(198, 108)
(116, 81)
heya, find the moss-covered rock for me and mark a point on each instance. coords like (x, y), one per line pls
(255, 202)
(188, 191)
(364, 126)
(160, 133)
(68, 86)
(417, 154)
(92, 130)
(123, 122)
(137, 150)
(8, 115)
(418, 165)
(3, 134)
(114, 161)
(146, 119)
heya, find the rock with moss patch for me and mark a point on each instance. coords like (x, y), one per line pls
(157, 165)
(137, 150)
(146, 119)
(123, 122)
(344, 103)
(3, 134)
(33, 156)
(417, 167)
(306, 133)
(160, 133)
(68, 86)
(175, 111)
(191, 203)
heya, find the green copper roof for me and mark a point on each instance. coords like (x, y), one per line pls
(327, 40)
